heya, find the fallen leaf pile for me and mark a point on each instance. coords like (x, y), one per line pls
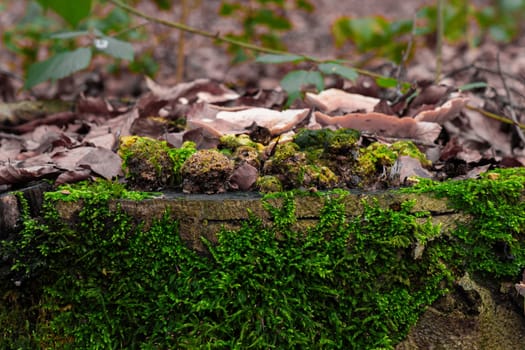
(81, 140)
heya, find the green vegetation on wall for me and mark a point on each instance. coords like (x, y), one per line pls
(101, 280)
(493, 241)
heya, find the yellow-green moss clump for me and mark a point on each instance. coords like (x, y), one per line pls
(146, 163)
(333, 142)
(294, 170)
(151, 164)
(206, 171)
(408, 148)
(269, 184)
(247, 154)
(375, 161)
(231, 142)
(179, 156)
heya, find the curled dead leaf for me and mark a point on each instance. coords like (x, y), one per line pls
(201, 89)
(444, 113)
(244, 177)
(12, 174)
(72, 176)
(384, 125)
(103, 162)
(335, 99)
(241, 121)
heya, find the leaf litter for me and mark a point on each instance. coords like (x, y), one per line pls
(449, 125)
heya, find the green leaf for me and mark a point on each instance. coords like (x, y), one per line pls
(228, 9)
(293, 82)
(58, 66)
(163, 4)
(271, 20)
(335, 68)
(472, 86)
(385, 82)
(69, 35)
(71, 11)
(279, 58)
(114, 47)
(304, 5)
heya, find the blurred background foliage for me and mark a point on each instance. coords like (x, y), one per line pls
(259, 22)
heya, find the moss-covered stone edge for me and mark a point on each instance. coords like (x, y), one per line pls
(349, 282)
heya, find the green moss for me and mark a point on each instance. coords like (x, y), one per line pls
(293, 168)
(146, 162)
(333, 142)
(247, 154)
(269, 184)
(493, 241)
(372, 160)
(99, 189)
(179, 156)
(101, 280)
(231, 142)
(408, 148)
(285, 151)
(206, 171)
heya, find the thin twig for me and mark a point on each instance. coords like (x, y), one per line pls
(181, 57)
(439, 43)
(495, 116)
(124, 31)
(512, 112)
(402, 66)
(189, 29)
(217, 36)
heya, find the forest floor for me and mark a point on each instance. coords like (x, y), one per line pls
(67, 141)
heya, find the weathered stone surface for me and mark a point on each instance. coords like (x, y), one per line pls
(204, 215)
(472, 317)
(11, 210)
(9, 214)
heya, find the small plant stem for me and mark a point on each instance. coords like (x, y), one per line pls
(495, 116)
(439, 42)
(179, 74)
(189, 29)
(217, 36)
(130, 29)
(510, 106)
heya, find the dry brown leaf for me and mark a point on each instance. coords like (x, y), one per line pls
(203, 90)
(243, 177)
(474, 130)
(103, 162)
(72, 176)
(13, 174)
(384, 125)
(406, 166)
(430, 94)
(275, 121)
(520, 288)
(444, 113)
(335, 99)
(235, 122)
(69, 158)
(10, 148)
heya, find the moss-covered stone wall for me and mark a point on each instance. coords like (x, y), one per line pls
(102, 267)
